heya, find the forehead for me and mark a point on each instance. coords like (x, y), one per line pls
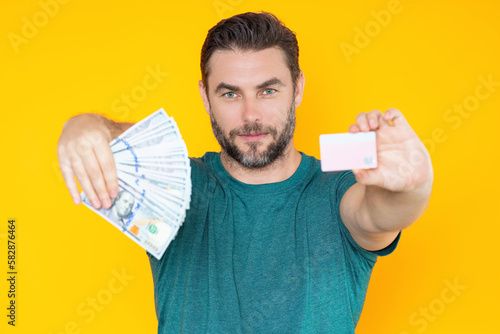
(247, 67)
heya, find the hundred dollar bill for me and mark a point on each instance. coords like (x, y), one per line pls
(169, 212)
(138, 221)
(175, 189)
(163, 198)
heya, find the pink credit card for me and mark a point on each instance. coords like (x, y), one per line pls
(345, 151)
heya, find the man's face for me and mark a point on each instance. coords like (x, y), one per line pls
(251, 102)
(123, 204)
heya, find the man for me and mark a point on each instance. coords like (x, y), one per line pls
(271, 244)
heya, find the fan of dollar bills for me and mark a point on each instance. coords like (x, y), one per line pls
(154, 177)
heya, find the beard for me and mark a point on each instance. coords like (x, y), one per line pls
(252, 158)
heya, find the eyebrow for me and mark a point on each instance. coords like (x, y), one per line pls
(271, 82)
(225, 86)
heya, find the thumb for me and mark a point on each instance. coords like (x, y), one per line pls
(368, 177)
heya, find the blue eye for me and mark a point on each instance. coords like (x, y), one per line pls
(230, 95)
(269, 91)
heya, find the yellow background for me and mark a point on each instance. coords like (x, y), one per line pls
(426, 59)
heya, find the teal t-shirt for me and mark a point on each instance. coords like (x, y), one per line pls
(270, 258)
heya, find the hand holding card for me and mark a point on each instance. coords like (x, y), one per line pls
(403, 163)
(346, 151)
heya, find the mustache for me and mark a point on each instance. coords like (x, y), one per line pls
(253, 129)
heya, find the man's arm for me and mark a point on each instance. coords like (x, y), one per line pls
(392, 196)
(84, 152)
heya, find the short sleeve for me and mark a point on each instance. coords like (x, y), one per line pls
(341, 184)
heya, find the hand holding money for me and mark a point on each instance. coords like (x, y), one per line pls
(84, 152)
(150, 163)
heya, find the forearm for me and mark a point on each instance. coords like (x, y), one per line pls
(384, 210)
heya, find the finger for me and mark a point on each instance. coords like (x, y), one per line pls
(395, 116)
(94, 173)
(368, 177)
(362, 122)
(83, 179)
(108, 168)
(91, 173)
(69, 180)
(373, 118)
(354, 128)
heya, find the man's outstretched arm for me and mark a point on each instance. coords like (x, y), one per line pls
(83, 151)
(392, 196)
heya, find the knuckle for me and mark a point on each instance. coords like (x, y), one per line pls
(84, 149)
(61, 150)
(95, 136)
(82, 141)
(66, 169)
(93, 172)
(63, 160)
(69, 146)
(361, 117)
(110, 176)
(108, 167)
(82, 178)
(111, 180)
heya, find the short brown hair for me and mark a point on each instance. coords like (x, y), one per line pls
(251, 31)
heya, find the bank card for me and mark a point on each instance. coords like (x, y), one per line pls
(347, 151)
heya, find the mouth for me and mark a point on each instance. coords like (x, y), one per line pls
(253, 136)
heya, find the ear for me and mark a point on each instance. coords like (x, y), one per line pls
(299, 89)
(204, 96)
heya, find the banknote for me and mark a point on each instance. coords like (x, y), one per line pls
(158, 118)
(139, 222)
(168, 212)
(154, 178)
(160, 195)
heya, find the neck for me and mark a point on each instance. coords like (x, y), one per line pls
(277, 171)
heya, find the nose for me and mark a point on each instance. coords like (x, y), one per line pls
(251, 112)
